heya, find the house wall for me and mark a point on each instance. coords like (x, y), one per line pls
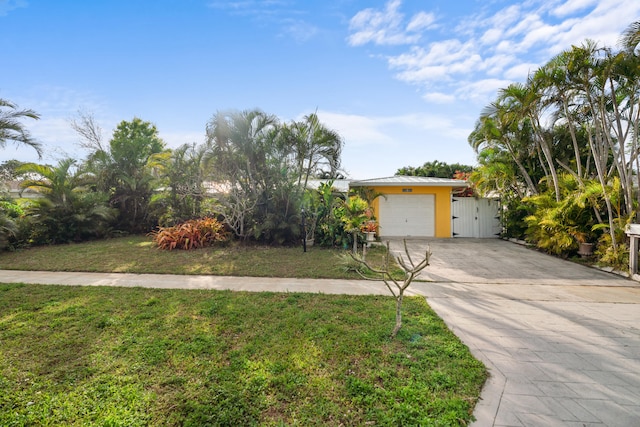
(442, 204)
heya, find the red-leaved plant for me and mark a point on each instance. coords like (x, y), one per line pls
(192, 234)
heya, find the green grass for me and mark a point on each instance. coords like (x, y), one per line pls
(136, 254)
(136, 357)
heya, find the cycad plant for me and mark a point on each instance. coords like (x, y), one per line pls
(68, 211)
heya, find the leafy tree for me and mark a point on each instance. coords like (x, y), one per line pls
(557, 227)
(329, 229)
(630, 38)
(508, 138)
(11, 127)
(126, 171)
(9, 170)
(435, 169)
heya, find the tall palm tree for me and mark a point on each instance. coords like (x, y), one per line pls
(11, 128)
(560, 92)
(585, 68)
(498, 129)
(315, 147)
(525, 103)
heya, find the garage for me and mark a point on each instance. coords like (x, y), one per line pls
(412, 206)
(407, 215)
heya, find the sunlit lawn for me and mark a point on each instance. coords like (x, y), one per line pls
(134, 357)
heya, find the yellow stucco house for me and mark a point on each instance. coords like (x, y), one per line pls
(413, 206)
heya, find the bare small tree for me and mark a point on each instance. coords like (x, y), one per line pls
(88, 130)
(396, 287)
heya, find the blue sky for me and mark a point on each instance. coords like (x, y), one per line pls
(403, 81)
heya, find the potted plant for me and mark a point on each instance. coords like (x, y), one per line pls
(370, 228)
(585, 244)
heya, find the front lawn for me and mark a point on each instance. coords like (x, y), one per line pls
(136, 254)
(138, 357)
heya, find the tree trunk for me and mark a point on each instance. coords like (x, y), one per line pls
(355, 242)
(398, 314)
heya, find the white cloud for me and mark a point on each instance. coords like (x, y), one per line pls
(57, 137)
(7, 6)
(496, 64)
(358, 130)
(572, 6)
(421, 21)
(300, 31)
(439, 97)
(481, 90)
(501, 45)
(439, 64)
(386, 27)
(491, 36)
(603, 24)
(520, 72)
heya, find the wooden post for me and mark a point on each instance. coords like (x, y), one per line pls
(633, 255)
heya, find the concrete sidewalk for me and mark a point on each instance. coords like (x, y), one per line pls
(169, 281)
(561, 341)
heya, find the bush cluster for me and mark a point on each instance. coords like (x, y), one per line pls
(192, 234)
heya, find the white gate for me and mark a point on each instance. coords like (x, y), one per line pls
(473, 217)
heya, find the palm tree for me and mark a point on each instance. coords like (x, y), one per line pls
(525, 103)
(585, 68)
(67, 211)
(56, 183)
(181, 171)
(560, 92)
(630, 39)
(11, 128)
(315, 147)
(498, 129)
(243, 154)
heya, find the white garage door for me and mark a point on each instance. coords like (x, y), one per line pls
(407, 215)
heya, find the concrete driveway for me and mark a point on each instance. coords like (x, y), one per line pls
(561, 340)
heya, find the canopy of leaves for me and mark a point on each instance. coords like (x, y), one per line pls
(435, 169)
